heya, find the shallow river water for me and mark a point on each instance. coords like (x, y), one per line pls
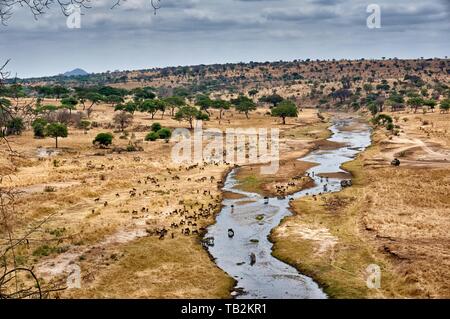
(269, 277)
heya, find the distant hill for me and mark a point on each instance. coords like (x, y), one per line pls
(76, 72)
(300, 75)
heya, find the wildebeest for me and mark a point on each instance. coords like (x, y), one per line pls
(395, 162)
(252, 259)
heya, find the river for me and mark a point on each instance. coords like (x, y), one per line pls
(252, 220)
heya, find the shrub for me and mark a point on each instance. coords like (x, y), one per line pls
(38, 126)
(132, 148)
(372, 108)
(382, 119)
(43, 250)
(156, 127)
(15, 126)
(103, 139)
(84, 124)
(152, 136)
(164, 133)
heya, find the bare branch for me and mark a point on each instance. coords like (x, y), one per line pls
(39, 7)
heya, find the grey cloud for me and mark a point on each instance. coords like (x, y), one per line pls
(207, 31)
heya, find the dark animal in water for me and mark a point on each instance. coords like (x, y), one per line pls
(266, 200)
(208, 241)
(395, 162)
(252, 259)
(230, 233)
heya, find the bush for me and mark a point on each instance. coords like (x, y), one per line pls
(373, 109)
(382, 119)
(84, 125)
(202, 116)
(103, 139)
(164, 133)
(134, 147)
(152, 136)
(43, 250)
(15, 126)
(38, 126)
(156, 127)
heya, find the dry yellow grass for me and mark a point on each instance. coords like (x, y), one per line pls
(96, 222)
(151, 268)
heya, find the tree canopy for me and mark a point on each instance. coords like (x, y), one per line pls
(56, 130)
(285, 109)
(189, 114)
(244, 104)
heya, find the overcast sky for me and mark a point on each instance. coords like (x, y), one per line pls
(186, 32)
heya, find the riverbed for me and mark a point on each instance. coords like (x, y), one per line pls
(252, 217)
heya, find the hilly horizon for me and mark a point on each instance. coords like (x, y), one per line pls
(76, 72)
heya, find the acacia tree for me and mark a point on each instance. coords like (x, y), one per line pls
(174, 102)
(415, 103)
(152, 107)
(285, 109)
(94, 98)
(189, 114)
(56, 130)
(114, 100)
(129, 107)
(204, 102)
(221, 105)
(69, 103)
(273, 99)
(244, 104)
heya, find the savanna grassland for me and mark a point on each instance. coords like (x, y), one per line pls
(119, 208)
(395, 217)
(104, 208)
